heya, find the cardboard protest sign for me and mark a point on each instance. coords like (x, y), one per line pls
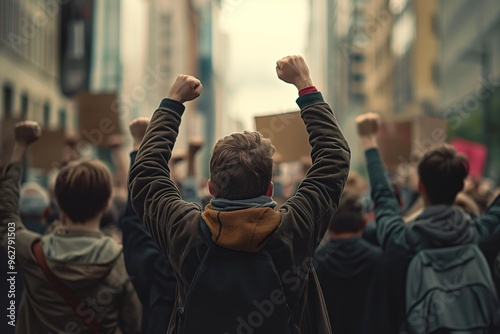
(46, 153)
(288, 134)
(98, 117)
(402, 142)
(476, 153)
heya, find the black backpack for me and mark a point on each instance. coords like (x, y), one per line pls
(450, 290)
(234, 292)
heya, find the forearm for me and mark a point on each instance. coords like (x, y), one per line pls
(9, 199)
(387, 210)
(319, 193)
(155, 198)
(18, 153)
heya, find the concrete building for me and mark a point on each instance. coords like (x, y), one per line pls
(469, 73)
(29, 65)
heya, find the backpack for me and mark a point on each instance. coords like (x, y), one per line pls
(233, 292)
(450, 290)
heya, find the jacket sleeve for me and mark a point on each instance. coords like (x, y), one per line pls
(155, 198)
(489, 223)
(308, 213)
(10, 216)
(390, 226)
(141, 253)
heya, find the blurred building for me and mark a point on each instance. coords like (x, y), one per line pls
(469, 73)
(334, 63)
(29, 65)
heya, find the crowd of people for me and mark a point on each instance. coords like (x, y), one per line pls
(144, 250)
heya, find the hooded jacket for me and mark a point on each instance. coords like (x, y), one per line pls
(436, 227)
(353, 277)
(90, 264)
(290, 234)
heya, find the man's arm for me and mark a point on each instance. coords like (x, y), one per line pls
(488, 225)
(26, 133)
(390, 225)
(155, 198)
(318, 195)
(140, 251)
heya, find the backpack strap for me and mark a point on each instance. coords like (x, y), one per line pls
(64, 291)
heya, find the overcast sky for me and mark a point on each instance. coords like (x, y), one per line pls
(260, 33)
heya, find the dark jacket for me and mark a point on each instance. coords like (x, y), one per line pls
(437, 226)
(89, 263)
(154, 278)
(291, 234)
(353, 276)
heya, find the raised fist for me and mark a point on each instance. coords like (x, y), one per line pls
(294, 70)
(185, 88)
(368, 124)
(27, 132)
(138, 129)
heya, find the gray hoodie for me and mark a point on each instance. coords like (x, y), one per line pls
(89, 263)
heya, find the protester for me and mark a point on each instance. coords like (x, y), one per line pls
(154, 278)
(34, 207)
(241, 217)
(76, 265)
(353, 274)
(435, 254)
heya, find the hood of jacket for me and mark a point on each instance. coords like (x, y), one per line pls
(346, 258)
(443, 226)
(80, 258)
(242, 229)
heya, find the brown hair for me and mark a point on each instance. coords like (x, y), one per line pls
(83, 189)
(241, 166)
(349, 217)
(442, 171)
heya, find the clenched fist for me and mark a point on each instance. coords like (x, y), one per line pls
(294, 70)
(368, 124)
(138, 129)
(185, 88)
(27, 132)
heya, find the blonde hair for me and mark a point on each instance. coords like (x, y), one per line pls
(241, 166)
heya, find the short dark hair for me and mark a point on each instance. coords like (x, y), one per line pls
(442, 171)
(349, 217)
(241, 166)
(83, 189)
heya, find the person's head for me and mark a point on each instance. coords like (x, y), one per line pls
(83, 190)
(355, 184)
(241, 166)
(350, 215)
(441, 173)
(34, 201)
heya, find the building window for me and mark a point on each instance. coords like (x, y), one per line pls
(24, 106)
(62, 118)
(8, 93)
(46, 114)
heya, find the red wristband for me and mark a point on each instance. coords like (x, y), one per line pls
(307, 90)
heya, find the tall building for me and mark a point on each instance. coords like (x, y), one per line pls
(469, 73)
(29, 65)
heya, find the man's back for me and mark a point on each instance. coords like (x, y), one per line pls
(354, 278)
(92, 266)
(247, 221)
